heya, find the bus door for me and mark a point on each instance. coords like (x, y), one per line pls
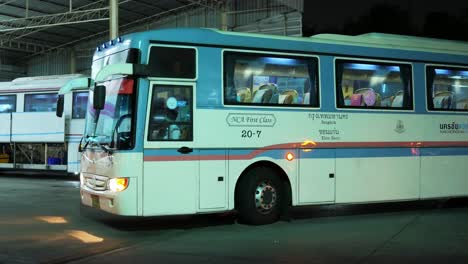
(75, 126)
(171, 164)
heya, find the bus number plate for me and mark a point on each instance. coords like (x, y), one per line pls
(95, 201)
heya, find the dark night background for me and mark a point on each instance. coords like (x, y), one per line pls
(446, 19)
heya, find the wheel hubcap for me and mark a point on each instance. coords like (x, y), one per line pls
(265, 197)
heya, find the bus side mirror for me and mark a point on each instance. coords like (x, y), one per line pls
(99, 97)
(59, 110)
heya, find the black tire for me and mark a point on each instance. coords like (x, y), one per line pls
(259, 196)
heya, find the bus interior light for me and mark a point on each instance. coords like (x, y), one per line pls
(118, 184)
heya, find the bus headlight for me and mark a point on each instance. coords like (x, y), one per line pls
(118, 184)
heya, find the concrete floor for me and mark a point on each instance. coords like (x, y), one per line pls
(41, 221)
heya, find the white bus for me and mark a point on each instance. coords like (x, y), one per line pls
(31, 136)
(192, 121)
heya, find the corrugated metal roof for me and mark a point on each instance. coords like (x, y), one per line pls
(134, 15)
(50, 23)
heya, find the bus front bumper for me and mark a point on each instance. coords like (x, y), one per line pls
(118, 203)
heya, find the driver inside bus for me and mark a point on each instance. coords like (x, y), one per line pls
(164, 120)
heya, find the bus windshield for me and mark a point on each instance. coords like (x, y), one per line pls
(113, 124)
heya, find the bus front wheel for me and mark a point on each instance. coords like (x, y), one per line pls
(259, 196)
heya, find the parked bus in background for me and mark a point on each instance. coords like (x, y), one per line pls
(31, 136)
(188, 121)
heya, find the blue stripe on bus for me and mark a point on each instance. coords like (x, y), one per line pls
(273, 153)
(376, 152)
(323, 153)
(213, 151)
(428, 152)
(161, 152)
(33, 134)
(317, 153)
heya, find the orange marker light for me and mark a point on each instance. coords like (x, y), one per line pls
(118, 184)
(289, 156)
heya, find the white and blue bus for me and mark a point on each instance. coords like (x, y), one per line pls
(31, 136)
(192, 121)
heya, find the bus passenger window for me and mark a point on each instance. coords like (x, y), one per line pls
(80, 101)
(273, 80)
(447, 88)
(372, 85)
(40, 102)
(7, 103)
(171, 113)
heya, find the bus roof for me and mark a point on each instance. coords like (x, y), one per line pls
(366, 45)
(396, 42)
(51, 82)
(374, 39)
(5, 85)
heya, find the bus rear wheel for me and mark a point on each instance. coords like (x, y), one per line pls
(259, 196)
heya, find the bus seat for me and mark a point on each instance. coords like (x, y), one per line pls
(347, 100)
(363, 96)
(244, 95)
(369, 97)
(462, 104)
(258, 96)
(387, 101)
(378, 99)
(285, 99)
(443, 100)
(270, 86)
(274, 98)
(356, 100)
(398, 99)
(306, 100)
(265, 93)
(288, 96)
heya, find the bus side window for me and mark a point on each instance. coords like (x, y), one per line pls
(447, 88)
(80, 101)
(7, 103)
(171, 113)
(44, 102)
(373, 85)
(273, 80)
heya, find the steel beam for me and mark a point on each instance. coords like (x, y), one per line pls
(127, 27)
(53, 19)
(21, 27)
(23, 46)
(7, 2)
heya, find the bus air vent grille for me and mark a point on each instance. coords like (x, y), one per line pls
(95, 182)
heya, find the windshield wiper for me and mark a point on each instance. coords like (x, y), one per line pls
(86, 144)
(103, 147)
(95, 142)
